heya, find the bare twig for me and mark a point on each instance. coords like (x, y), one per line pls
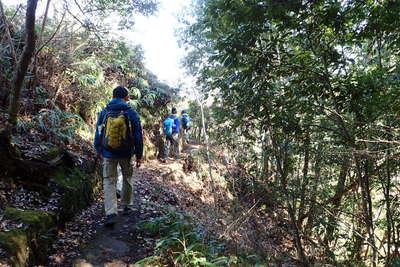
(350, 228)
(16, 12)
(378, 141)
(80, 8)
(7, 30)
(52, 36)
(239, 218)
(85, 25)
(43, 23)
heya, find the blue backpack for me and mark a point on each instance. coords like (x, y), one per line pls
(168, 124)
(185, 122)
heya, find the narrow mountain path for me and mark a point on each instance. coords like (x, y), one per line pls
(117, 246)
(158, 189)
(87, 242)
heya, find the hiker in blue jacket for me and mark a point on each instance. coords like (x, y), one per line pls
(118, 155)
(171, 127)
(185, 126)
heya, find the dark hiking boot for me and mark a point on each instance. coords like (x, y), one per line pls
(110, 220)
(126, 211)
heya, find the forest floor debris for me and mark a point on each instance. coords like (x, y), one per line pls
(157, 186)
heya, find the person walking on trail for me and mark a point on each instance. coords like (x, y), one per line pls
(171, 127)
(118, 137)
(185, 126)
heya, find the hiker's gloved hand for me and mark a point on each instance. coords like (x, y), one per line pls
(138, 163)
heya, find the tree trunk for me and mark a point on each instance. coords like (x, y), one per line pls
(23, 63)
(297, 237)
(358, 232)
(389, 216)
(208, 152)
(7, 165)
(367, 203)
(265, 157)
(305, 180)
(340, 189)
(39, 43)
(312, 214)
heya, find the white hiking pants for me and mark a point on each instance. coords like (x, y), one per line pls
(185, 136)
(171, 142)
(110, 176)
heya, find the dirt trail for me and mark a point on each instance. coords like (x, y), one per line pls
(123, 245)
(117, 246)
(158, 188)
(87, 242)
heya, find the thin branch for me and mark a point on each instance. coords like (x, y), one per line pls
(16, 12)
(238, 219)
(80, 8)
(85, 25)
(44, 23)
(349, 227)
(12, 18)
(52, 36)
(7, 30)
(378, 141)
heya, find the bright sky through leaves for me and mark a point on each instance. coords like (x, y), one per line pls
(156, 35)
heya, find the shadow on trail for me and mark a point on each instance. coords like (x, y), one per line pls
(114, 246)
(159, 185)
(122, 244)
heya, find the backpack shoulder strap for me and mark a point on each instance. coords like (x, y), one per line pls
(126, 111)
(106, 111)
(130, 125)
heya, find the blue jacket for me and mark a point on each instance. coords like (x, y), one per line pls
(185, 117)
(137, 149)
(177, 124)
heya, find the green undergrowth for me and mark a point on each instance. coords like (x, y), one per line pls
(179, 242)
(65, 126)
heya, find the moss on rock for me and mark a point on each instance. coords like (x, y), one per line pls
(31, 245)
(35, 220)
(16, 243)
(78, 189)
(72, 178)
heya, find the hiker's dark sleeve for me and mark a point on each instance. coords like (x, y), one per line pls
(97, 139)
(137, 136)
